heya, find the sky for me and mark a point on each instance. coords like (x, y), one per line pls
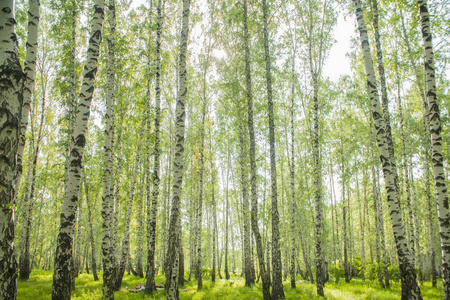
(337, 63)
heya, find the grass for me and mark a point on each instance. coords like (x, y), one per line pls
(40, 284)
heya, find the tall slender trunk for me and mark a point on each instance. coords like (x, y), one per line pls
(126, 234)
(254, 197)
(178, 164)
(417, 227)
(382, 234)
(320, 276)
(24, 261)
(140, 232)
(436, 145)
(150, 284)
(430, 219)
(215, 233)
(294, 211)
(28, 88)
(346, 266)
(28, 84)
(115, 201)
(107, 250)
(198, 273)
(246, 257)
(11, 99)
(227, 218)
(344, 215)
(91, 230)
(192, 228)
(77, 260)
(376, 216)
(61, 277)
(410, 288)
(333, 204)
(426, 145)
(339, 251)
(181, 268)
(277, 284)
(362, 220)
(412, 241)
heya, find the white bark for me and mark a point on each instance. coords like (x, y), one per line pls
(61, 280)
(172, 268)
(410, 288)
(11, 79)
(436, 145)
(107, 198)
(28, 85)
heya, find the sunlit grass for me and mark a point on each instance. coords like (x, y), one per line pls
(40, 284)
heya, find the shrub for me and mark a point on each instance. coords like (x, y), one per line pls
(336, 272)
(394, 273)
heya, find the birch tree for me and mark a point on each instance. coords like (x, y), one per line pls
(91, 230)
(126, 234)
(24, 261)
(107, 250)
(61, 276)
(173, 249)
(28, 85)
(11, 99)
(410, 288)
(277, 285)
(434, 120)
(150, 284)
(265, 277)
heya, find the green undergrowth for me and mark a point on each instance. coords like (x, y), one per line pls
(40, 284)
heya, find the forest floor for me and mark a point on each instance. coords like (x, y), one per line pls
(39, 286)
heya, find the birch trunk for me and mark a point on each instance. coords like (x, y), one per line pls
(246, 258)
(28, 89)
(61, 277)
(362, 220)
(410, 288)
(24, 261)
(377, 225)
(436, 145)
(115, 186)
(320, 276)
(430, 218)
(192, 229)
(78, 265)
(416, 225)
(344, 216)
(294, 210)
(149, 287)
(426, 145)
(412, 242)
(346, 266)
(107, 250)
(254, 196)
(178, 164)
(382, 234)
(28, 85)
(277, 284)
(126, 234)
(214, 245)
(227, 274)
(150, 283)
(181, 255)
(91, 230)
(198, 273)
(140, 232)
(333, 204)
